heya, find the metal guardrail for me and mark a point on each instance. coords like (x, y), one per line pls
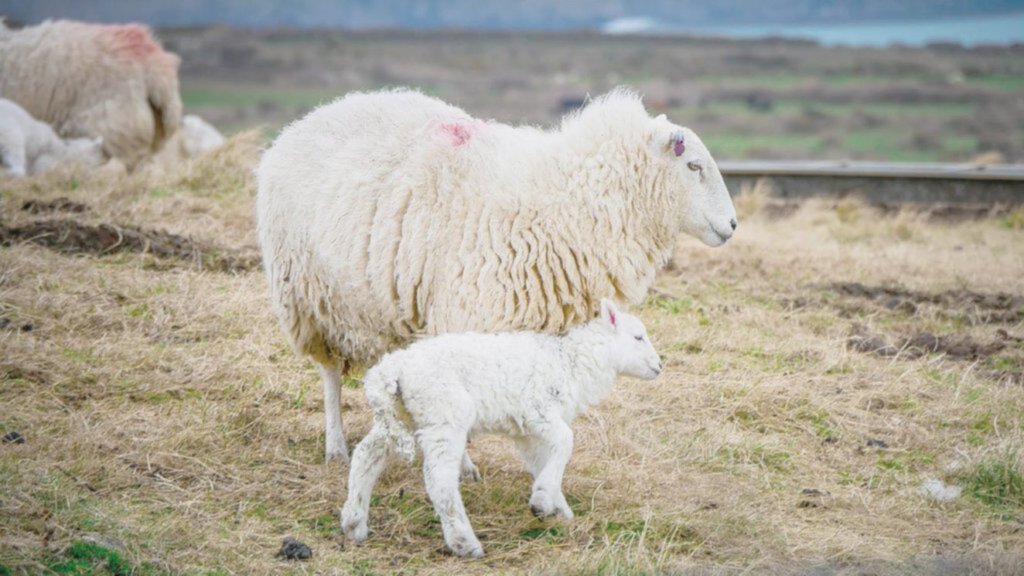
(882, 182)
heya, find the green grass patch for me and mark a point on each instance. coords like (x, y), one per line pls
(887, 143)
(739, 145)
(549, 534)
(231, 96)
(1008, 82)
(997, 480)
(87, 558)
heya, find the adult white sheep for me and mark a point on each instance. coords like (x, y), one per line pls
(29, 147)
(523, 384)
(91, 80)
(391, 215)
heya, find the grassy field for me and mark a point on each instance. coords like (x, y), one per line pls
(820, 368)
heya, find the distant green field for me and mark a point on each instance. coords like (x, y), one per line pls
(232, 95)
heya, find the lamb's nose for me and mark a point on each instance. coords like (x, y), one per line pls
(733, 223)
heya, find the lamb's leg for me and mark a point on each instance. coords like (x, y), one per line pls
(368, 461)
(335, 438)
(442, 455)
(12, 150)
(546, 452)
(467, 470)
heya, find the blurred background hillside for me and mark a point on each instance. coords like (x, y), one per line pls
(795, 79)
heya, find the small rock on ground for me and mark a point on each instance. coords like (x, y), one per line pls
(292, 549)
(14, 438)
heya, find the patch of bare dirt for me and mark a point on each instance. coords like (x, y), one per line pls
(55, 205)
(987, 308)
(958, 346)
(73, 237)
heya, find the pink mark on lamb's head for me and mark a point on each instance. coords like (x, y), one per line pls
(458, 133)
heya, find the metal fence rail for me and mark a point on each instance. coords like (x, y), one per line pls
(881, 182)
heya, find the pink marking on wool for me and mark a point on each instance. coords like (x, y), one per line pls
(131, 41)
(459, 133)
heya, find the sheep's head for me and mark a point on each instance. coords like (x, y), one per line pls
(707, 212)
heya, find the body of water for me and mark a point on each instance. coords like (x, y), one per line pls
(969, 31)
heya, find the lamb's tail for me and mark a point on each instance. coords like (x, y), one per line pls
(382, 391)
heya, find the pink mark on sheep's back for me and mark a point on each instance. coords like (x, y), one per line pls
(458, 133)
(130, 40)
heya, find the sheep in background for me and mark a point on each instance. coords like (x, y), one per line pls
(524, 384)
(387, 216)
(193, 138)
(90, 80)
(29, 147)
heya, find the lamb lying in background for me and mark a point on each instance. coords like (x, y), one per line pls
(193, 138)
(29, 147)
(524, 384)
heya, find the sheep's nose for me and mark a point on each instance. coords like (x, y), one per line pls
(732, 223)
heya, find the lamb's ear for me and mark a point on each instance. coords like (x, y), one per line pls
(609, 312)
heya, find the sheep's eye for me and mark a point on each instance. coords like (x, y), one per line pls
(639, 338)
(695, 166)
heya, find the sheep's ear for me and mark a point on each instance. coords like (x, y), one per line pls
(609, 312)
(677, 143)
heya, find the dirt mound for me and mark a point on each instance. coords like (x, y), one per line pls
(55, 205)
(73, 237)
(988, 308)
(959, 346)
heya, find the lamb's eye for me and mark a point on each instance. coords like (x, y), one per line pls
(639, 338)
(695, 166)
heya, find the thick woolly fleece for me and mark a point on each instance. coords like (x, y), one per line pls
(526, 385)
(91, 80)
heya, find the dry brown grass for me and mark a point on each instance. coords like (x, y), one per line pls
(162, 408)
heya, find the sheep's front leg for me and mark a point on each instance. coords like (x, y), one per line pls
(546, 452)
(368, 461)
(334, 441)
(442, 457)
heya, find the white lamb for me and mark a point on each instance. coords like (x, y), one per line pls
(29, 147)
(524, 384)
(387, 216)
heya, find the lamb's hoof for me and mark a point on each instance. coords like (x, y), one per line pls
(466, 547)
(470, 474)
(339, 455)
(542, 507)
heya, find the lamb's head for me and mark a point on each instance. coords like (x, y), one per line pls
(706, 210)
(631, 350)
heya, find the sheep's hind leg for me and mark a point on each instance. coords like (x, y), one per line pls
(368, 461)
(442, 456)
(334, 443)
(546, 452)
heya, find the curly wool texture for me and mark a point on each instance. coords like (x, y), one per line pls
(89, 80)
(387, 216)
